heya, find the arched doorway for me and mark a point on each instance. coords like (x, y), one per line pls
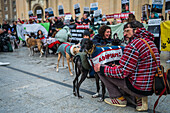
(38, 9)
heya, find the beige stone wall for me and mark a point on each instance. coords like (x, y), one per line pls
(1, 19)
(107, 6)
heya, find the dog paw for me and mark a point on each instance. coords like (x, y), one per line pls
(95, 95)
(71, 74)
(74, 93)
(57, 70)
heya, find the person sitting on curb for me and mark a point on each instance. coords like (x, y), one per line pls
(136, 71)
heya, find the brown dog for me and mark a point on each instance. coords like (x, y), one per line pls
(32, 43)
(67, 51)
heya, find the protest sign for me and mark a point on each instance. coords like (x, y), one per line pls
(94, 6)
(39, 14)
(50, 11)
(145, 11)
(30, 13)
(154, 26)
(77, 9)
(167, 6)
(157, 6)
(125, 6)
(46, 13)
(97, 13)
(61, 10)
(87, 11)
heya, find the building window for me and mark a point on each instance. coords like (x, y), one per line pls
(5, 1)
(14, 3)
(15, 17)
(6, 8)
(6, 16)
(14, 9)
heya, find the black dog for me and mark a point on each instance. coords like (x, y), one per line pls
(79, 69)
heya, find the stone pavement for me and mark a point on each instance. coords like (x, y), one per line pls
(31, 85)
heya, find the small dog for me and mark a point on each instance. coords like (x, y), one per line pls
(67, 51)
(80, 70)
(32, 43)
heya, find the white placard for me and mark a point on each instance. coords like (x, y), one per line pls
(60, 7)
(39, 11)
(68, 17)
(154, 22)
(76, 6)
(30, 12)
(86, 9)
(97, 13)
(125, 1)
(157, 2)
(94, 6)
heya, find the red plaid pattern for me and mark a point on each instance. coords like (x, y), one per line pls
(137, 63)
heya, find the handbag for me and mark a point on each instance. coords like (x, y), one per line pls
(161, 82)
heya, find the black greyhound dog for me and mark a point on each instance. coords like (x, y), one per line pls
(89, 47)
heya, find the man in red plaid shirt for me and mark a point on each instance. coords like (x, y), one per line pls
(136, 71)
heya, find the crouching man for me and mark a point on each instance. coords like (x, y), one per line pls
(136, 71)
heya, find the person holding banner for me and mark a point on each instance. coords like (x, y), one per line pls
(104, 36)
(135, 74)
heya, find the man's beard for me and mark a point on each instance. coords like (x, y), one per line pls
(127, 40)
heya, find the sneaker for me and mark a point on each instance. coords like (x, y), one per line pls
(142, 103)
(116, 102)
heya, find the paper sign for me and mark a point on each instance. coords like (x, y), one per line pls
(61, 10)
(94, 6)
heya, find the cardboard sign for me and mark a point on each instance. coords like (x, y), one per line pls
(61, 10)
(94, 6)
(77, 9)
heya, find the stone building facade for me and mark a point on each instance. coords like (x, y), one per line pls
(107, 6)
(8, 10)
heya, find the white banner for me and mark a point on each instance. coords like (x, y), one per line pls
(107, 56)
(29, 28)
